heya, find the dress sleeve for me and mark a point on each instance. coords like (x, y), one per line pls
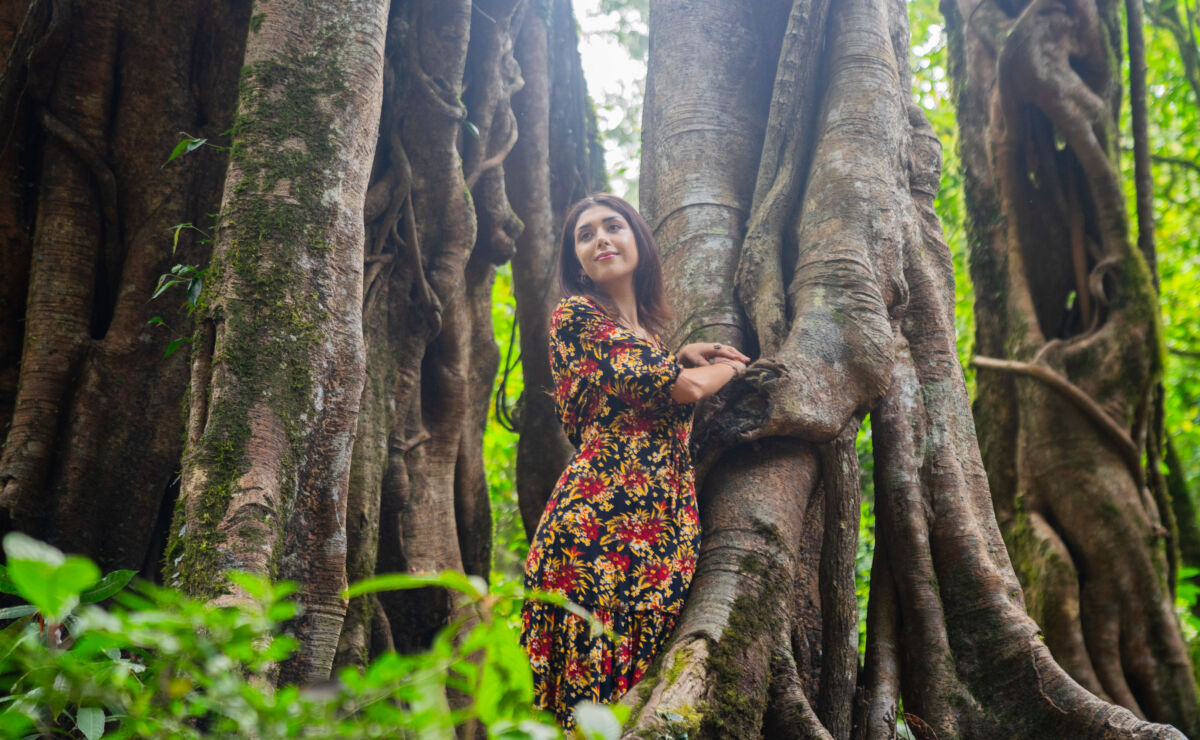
(594, 350)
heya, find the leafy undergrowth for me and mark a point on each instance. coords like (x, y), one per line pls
(142, 661)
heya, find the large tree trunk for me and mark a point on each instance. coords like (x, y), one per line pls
(1069, 342)
(89, 405)
(277, 362)
(843, 286)
(552, 166)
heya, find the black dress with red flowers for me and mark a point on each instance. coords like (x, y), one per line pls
(620, 533)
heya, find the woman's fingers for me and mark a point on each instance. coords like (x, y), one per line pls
(694, 355)
(704, 352)
(724, 350)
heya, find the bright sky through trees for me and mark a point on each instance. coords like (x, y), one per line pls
(616, 82)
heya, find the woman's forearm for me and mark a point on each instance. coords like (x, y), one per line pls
(695, 383)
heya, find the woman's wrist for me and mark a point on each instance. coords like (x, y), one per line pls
(737, 371)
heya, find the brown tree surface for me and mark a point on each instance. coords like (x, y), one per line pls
(340, 368)
(1069, 341)
(90, 407)
(343, 359)
(791, 190)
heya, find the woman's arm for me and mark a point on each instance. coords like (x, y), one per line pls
(695, 383)
(699, 354)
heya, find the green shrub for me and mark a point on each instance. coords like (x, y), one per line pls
(155, 664)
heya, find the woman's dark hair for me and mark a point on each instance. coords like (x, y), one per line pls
(647, 276)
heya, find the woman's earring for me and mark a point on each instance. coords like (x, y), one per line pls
(584, 280)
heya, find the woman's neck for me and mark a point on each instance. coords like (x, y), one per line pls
(625, 301)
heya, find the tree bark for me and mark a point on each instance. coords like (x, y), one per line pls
(89, 404)
(844, 287)
(1070, 343)
(420, 492)
(342, 364)
(277, 369)
(551, 167)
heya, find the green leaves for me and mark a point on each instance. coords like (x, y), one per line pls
(184, 147)
(598, 721)
(188, 145)
(487, 662)
(158, 664)
(45, 577)
(90, 721)
(472, 586)
(190, 276)
(108, 585)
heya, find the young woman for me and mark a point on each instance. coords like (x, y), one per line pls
(620, 533)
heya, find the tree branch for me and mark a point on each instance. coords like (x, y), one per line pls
(1176, 161)
(1119, 437)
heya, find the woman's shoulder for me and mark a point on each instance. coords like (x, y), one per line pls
(576, 303)
(575, 308)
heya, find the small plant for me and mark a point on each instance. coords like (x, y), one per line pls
(189, 144)
(190, 276)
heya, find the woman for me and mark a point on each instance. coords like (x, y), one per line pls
(620, 532)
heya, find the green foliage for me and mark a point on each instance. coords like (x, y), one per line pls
(1187, 596)
(622, 28)
(1187, 606)
(865, 554)
(1175, 150)
(191, 277)
(45, 577)
(161, 665)
(188, 145)
(52, 583)
(500, 443)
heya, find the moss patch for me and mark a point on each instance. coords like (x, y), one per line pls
(734, 712)
(679, 659)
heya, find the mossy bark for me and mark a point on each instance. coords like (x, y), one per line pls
(278, 362)
(1070, 343)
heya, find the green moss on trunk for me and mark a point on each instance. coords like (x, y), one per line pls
(263, 292)
(734, 711)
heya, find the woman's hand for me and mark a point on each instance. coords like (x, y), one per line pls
(695, 383)
(738, 366)
(699, 354)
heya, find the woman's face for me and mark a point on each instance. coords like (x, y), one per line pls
(605, 246)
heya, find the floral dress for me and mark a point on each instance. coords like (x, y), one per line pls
(620, 533)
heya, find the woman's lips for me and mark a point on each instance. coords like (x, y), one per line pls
(606, 257)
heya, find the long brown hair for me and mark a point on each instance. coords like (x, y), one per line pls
(647, 276)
